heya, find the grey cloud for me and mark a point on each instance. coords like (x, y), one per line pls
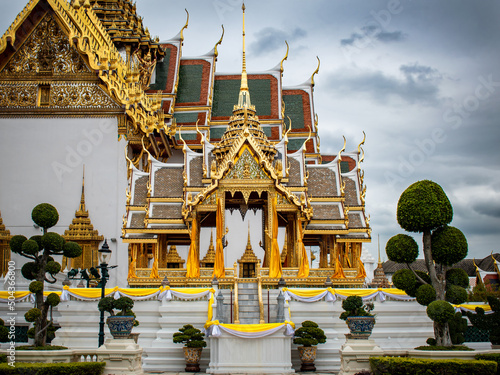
(419, 85)
(488, 208)
(270, 39)
(370, 33)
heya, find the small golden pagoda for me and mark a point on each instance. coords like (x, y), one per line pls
(82, 232)
(173, 258)
(4, 248)
(249, 261)
(209, 260)
(380, 280)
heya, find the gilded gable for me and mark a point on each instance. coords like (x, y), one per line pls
(246, 168)
(46, 52)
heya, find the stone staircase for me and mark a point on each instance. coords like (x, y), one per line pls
(248, 302)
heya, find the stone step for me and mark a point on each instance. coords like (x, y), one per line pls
(242, 286)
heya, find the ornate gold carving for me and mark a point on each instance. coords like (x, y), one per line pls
(79, 95)
(47, 51)
(246, 168)
(18, 95)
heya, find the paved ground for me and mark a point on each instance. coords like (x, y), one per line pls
(191, 373)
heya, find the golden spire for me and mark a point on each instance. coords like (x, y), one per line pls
(379, 261)
(249, 245)
(244, 98)
(82, 199)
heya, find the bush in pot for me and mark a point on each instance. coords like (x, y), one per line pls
(194, 342)
(358, 317)
(120, 324)
(309, 335)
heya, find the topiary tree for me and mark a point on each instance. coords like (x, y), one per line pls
(42, 267)
(424, 208)
(309, 334)
(189, 336)
(488, 322)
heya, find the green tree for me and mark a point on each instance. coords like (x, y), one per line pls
(424, 208)
(42, 267)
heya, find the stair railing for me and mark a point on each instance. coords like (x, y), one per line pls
(259, 291)
(236, 305)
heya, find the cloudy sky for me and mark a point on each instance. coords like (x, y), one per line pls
(422, 79)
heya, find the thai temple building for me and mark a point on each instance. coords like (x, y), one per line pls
(213, 175)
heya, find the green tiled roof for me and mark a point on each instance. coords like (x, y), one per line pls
(162, 72)
(294, 110)
(189, 89)
(295, 143)
(226, 93)
(181, 117)
(344, 167)
(216, 133)
(186, 136)
(267, 130)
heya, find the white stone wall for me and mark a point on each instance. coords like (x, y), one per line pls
(42, 161)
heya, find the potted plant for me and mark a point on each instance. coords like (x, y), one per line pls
(309, 335)
(120, 324)
(358, 317)
(194, 342)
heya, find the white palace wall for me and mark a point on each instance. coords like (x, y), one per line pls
(41, 160)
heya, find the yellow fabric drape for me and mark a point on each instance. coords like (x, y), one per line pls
(219, 270)
(133, 264)
(339, 272)
(275, 270)
(304, 262)
(193, 262)
(362, 271)
(154, 270)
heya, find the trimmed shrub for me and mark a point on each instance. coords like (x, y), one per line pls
(309, 334)
(423, 206)
(189, 336)
(456, 294)
(449, 245)
(490, 357)
(3, 358)
(29, 270)
(440, 311)
(76, 368)
(425, 294)
(458, 327)
(457, 276)
(72, 249)
(405, 366)
(52, 267)
(434, 347)
(32, 315)
(405, 280)
(52, 241)
(30, 247)
(16, 243)
(402, 248)
(45, 215)
(35, 286)
(53, 299)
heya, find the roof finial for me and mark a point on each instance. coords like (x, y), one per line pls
(379, 261)
(249, 245)
(82, 199)
(244, 98)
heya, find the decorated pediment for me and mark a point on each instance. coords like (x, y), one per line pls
(246, 167)
(46, 52)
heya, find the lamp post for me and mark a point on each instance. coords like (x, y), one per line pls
(104, 256)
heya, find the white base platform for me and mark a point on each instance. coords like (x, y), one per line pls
(355, 355)
(266, 355)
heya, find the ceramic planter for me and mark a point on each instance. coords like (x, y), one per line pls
(120, 326)
(192, 356)
(360, 326)
(307, 355)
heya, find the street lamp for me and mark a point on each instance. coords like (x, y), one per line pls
(104, 257)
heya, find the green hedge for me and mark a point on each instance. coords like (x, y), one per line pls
(77, 368)
(405, 366)
(490, 357)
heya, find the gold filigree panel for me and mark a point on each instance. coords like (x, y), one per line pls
(246, 168)
(45, 52)
(18, 95)
(60, 95)
(85, 95)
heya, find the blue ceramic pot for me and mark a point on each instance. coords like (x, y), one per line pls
(120, 326)
(360, 326)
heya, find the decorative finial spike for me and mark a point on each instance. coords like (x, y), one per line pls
(82, 199)
(244, 97)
